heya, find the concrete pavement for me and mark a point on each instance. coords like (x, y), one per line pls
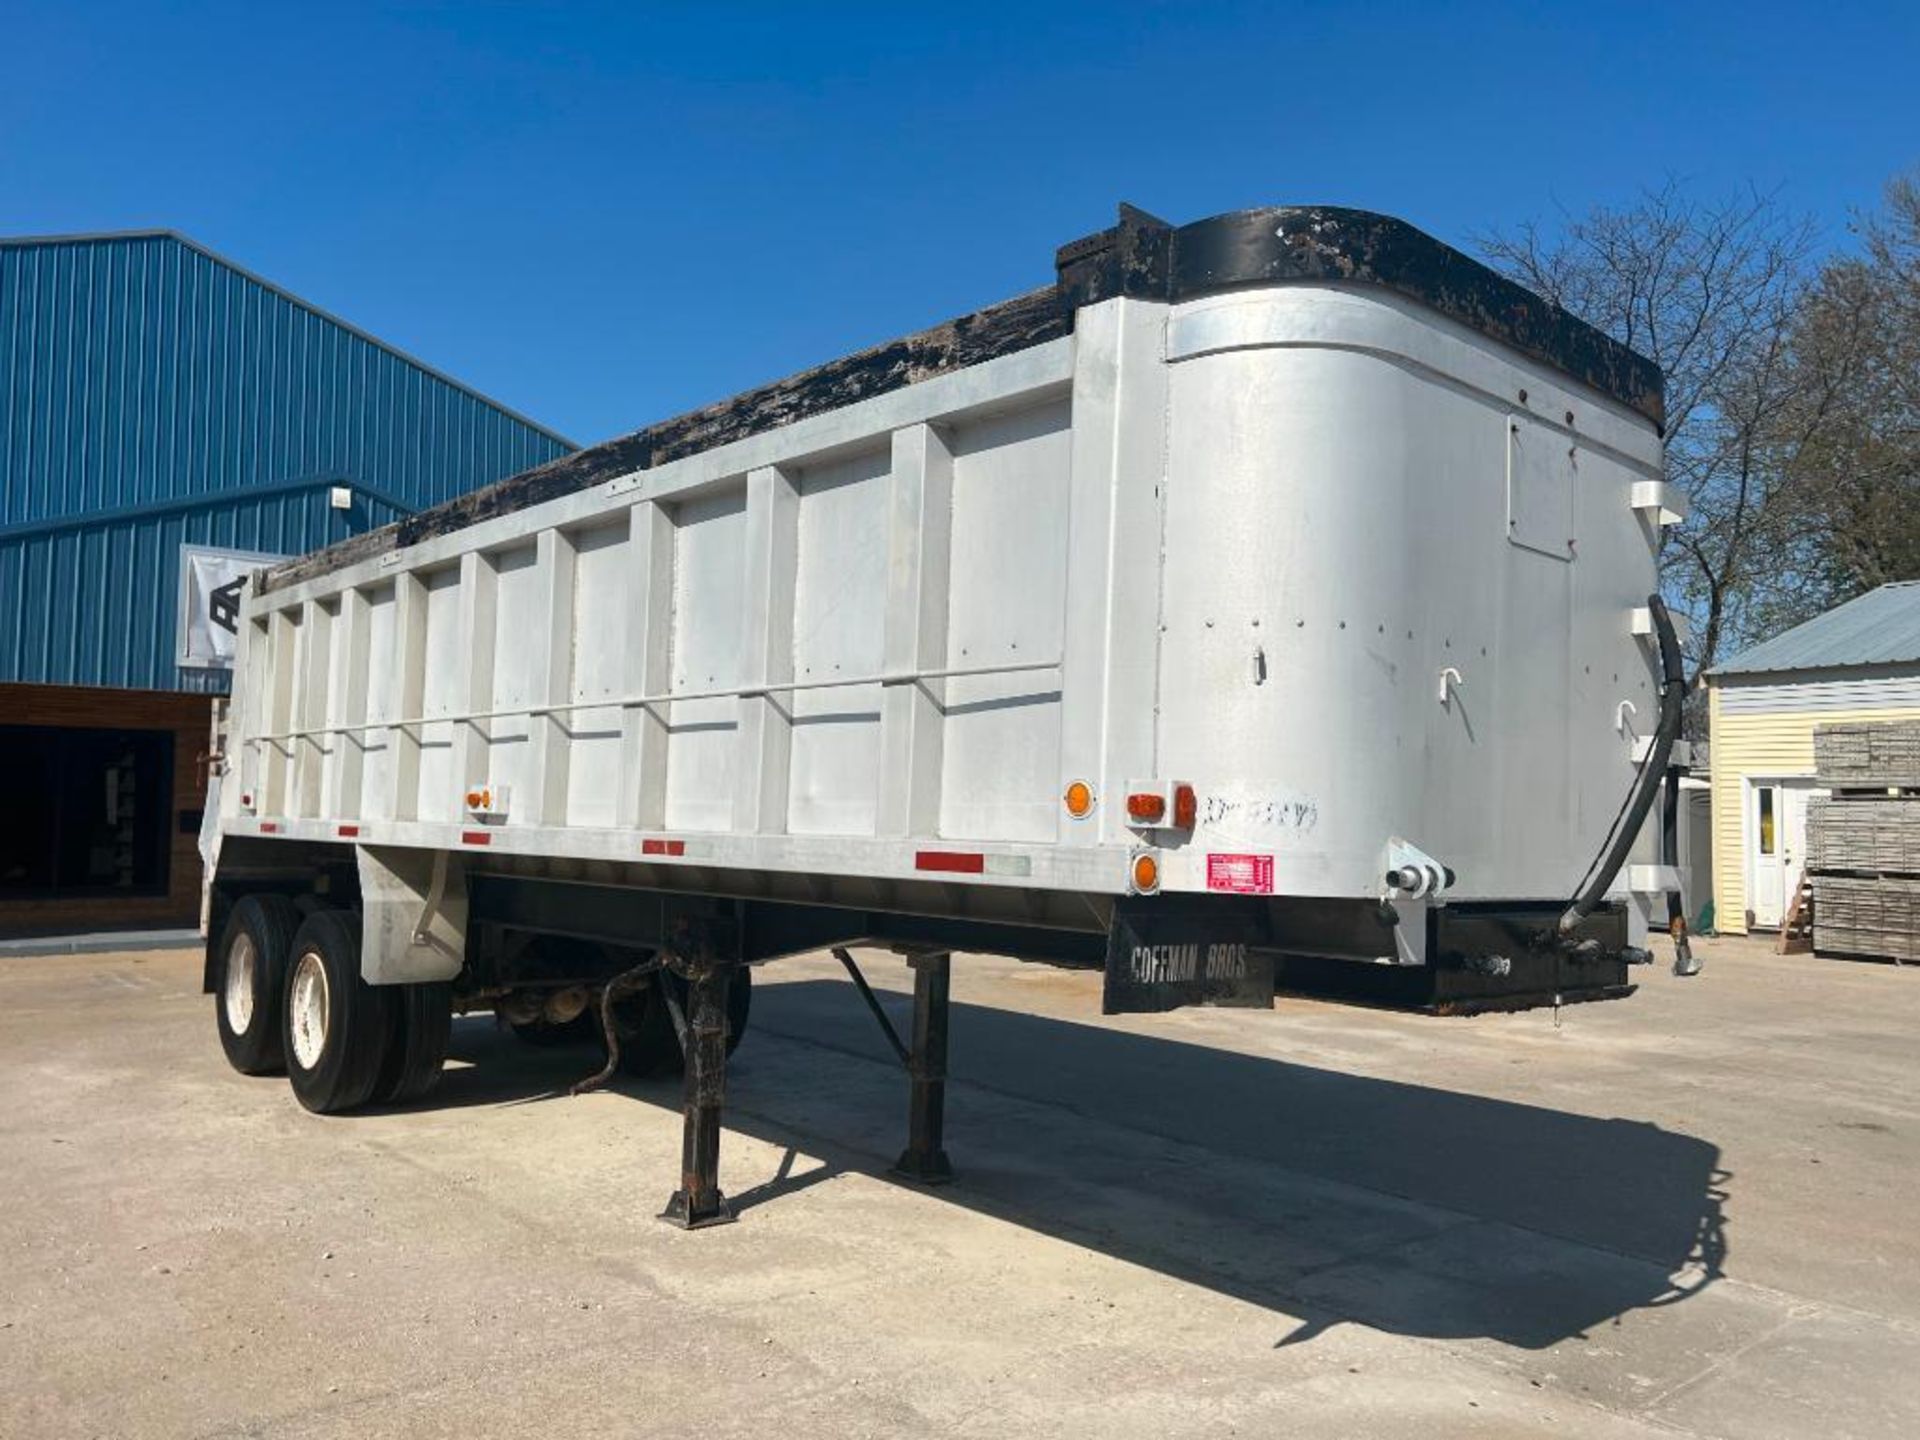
(1688, 1212)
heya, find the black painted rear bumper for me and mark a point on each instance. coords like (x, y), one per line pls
(1166, 952)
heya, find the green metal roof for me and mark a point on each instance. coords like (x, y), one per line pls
(1881, 627)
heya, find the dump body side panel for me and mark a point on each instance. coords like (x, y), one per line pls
(1357, 572)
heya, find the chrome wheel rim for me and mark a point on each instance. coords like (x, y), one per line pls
(307, 1010)
(237, 994)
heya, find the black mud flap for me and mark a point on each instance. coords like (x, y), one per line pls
(1165, 951)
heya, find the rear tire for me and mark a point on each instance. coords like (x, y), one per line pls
(649, 1045)
(417, 1048)
(253, 973)
(337, 1029)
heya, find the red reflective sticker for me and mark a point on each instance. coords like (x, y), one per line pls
(663, 847)
(475, 837)
(348, 832)
(953, 862)
(269, 827)
(1240, 874)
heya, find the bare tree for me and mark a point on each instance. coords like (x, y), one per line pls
(1856, 402)
(1710, 291)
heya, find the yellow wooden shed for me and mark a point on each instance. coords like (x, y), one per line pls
(1859, 661)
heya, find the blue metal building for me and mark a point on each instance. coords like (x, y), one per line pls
(154, 395)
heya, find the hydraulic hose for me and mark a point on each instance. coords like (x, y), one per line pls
(1646, 784)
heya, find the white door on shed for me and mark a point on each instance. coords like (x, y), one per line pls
(1776, 846)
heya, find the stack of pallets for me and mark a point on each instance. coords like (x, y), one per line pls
(1863, 841)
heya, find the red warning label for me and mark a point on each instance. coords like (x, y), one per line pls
(1240, 874)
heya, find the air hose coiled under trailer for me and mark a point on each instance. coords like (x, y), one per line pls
(1648, 783)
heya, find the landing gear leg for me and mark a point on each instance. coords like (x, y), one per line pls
(925, 1158)
(698, 1202)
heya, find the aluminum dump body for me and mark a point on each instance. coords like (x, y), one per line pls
(1296, 508)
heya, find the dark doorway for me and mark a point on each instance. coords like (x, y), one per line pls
(88, 810)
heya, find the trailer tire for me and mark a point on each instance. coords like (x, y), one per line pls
(580, 1030)
(649, 1047)
(338, 1029)
(417, 1048)
(253, 974)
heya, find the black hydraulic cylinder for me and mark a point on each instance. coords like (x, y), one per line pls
(925, 1158)
(699, 1202)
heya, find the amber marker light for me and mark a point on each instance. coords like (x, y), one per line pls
(1146, 874)
(1079, 798)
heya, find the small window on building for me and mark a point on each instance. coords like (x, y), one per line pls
(1767, 792)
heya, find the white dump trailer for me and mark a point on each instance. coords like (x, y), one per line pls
(1268, 592)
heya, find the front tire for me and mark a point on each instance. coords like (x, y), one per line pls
(338, 1030)
(253, 972)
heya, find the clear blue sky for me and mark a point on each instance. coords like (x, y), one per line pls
(603, 216)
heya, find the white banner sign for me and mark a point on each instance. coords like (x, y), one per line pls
(210, 585)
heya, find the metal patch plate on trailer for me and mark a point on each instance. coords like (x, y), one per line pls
(1164, 952)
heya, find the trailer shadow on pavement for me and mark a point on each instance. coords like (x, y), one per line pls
(1335, 1197)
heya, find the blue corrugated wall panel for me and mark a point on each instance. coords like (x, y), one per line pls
(140, 373)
